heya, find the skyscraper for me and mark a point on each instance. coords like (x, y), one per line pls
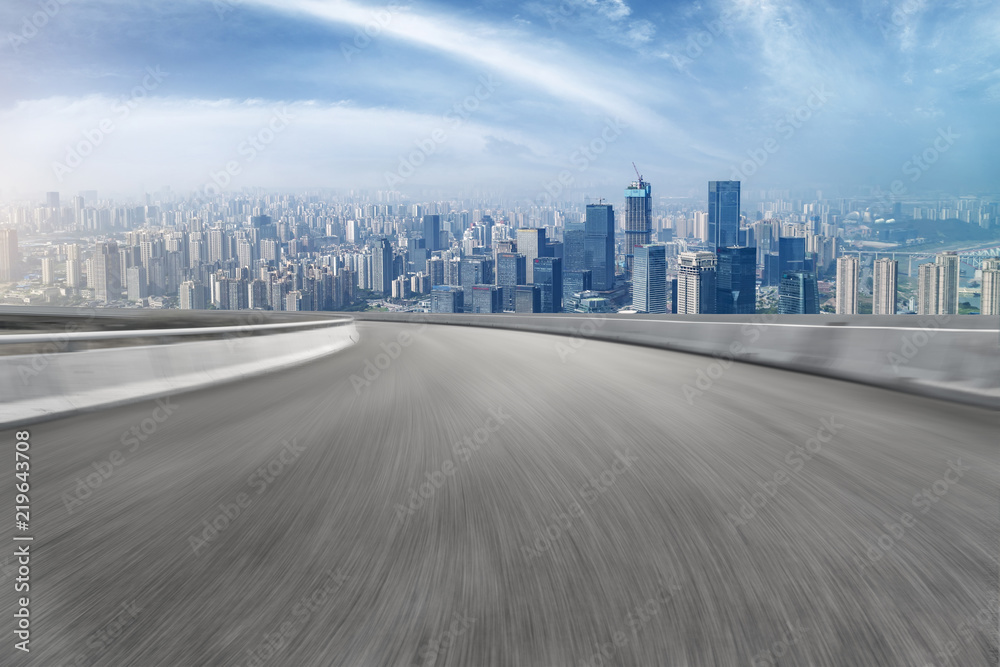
(791, 254)
(531, 244)
(884, 286)
(107, 278)
(736, 287)
(696, 283)
(432, 232)
(649, 279)
(723, 213)
(574, 246)
(599, 245)
(382, 266)
(10, 256)
(575, 282)
(511, 272)
(528, 299)
(990, 302)
(447, 299)
(798, 293)
(548, 278)
(638, 217)
(476, 270)
(486, 299)
(937, 286)
(848, 267)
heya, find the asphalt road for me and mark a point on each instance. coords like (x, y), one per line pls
(577, 508)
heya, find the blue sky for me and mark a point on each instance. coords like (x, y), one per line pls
(689, 91)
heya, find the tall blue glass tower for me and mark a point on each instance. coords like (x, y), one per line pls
(723, 213)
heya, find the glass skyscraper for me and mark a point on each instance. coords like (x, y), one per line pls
(736, 281)
(649, 279)
(638, 217)
(548, 278)
(574, 243)
(599, 245)
(798, 294)
(724, 213)
(511, 272)
(432, 232)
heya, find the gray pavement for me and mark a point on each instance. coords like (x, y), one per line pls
(483, 500)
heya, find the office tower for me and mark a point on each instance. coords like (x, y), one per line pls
(511, 272)
(293, 301)
(736, 280)
(696, 283)
(528, 299)
(107, 278)
(218, 245)
(649, 279)
(548, 278)
(848, 267)
(432, 232)
(638, 218)
(949, 262)
(486, 299)
(416, 248)
(574, 283)
(884, 286)
(531, 244)
(798, 293)
(990, 301)
(48, 271)
(74, 277)
(453, 272)
(10, 256)
(791, 254)
(435, 271)
(138, 287)
(599, 245)
(382, 266)
(723, 213)
(191, 295)
(447, 299)
(672, 288)
(476, 270)
(574, 244)
(52, 200)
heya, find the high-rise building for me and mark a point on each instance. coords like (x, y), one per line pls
(990, 301)
(885, 285)
(486, 299)
(649, 279)
(599, 245)
(548, 278)
(736, 281)
(511, 272)
(638, 218)
(382, 266)
(848, 268)
(138, 286)
(447, 299)
(531, 243)
(575, 282)
(574, 247)
(723, 213)
(107, 278)
(798, 293)
(528, 299)
(432, 232)
(191, 295)
(476, 270)
(937, 286)
(10, 256)
(791, 254)
(48, 271)
(696, 283)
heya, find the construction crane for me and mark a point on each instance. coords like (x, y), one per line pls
(637, 171)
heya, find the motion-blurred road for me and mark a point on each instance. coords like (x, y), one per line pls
(487, 498)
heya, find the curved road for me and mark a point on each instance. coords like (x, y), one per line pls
(487, 500)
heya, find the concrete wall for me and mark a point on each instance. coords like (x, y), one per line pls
(43, 385)
(950, 357)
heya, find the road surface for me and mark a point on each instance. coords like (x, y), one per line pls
(491, 498)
